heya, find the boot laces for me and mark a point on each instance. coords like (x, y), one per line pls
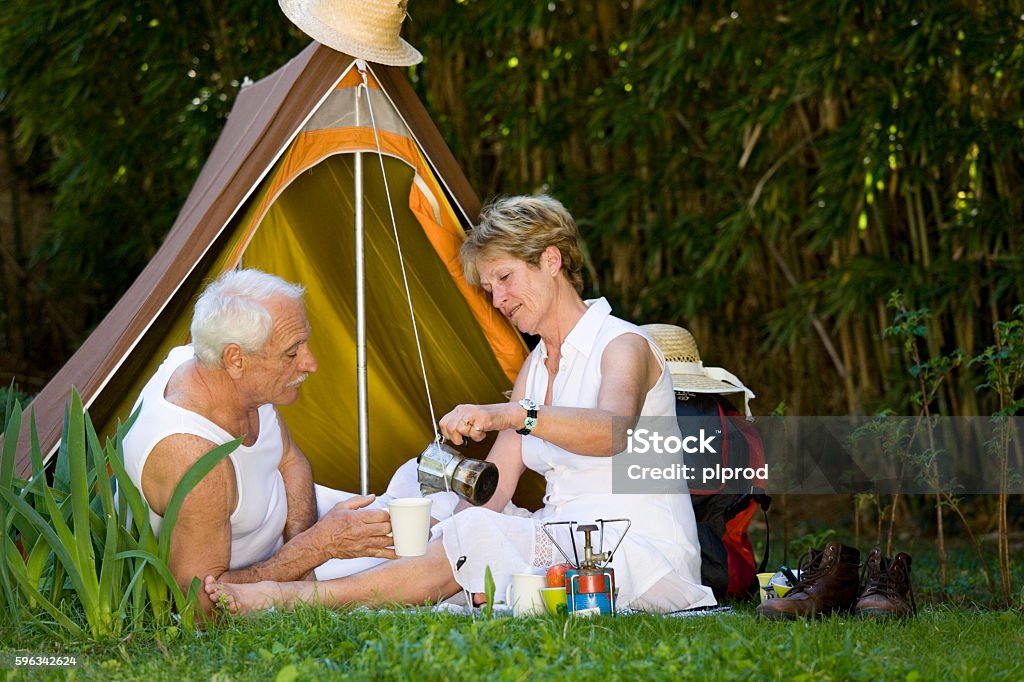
(812, 567)
(888, 580)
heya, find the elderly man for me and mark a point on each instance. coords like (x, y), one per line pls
(254, 517)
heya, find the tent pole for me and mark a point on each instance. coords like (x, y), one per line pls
(364, 436)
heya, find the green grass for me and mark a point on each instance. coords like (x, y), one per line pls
(941, 643)
(955, 636)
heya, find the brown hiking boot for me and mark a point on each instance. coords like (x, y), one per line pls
(887, 592)
(829, 582)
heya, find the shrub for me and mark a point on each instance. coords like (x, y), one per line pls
(78, 552)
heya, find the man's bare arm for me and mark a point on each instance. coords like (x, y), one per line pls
(298, 486)
(201, 540)
(345, 532)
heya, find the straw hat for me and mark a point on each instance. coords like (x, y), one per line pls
(688, 372)
(364, 29)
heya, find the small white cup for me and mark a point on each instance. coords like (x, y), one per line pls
(525, 596)
(410, 525)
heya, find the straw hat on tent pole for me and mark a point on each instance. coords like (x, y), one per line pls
(689, 375)
(367, 30)
(364, 29)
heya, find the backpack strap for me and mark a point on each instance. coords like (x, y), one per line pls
(764, 501)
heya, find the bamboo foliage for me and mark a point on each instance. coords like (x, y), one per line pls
(763, 173)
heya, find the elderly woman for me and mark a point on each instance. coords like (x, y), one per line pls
(590, 378)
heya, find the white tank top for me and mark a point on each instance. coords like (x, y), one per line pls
(257, 523)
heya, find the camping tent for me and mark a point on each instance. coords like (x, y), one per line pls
(277, 193)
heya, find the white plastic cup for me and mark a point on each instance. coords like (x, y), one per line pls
(525, 596)
(410, 525)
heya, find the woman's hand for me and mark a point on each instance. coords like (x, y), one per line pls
(475, 421)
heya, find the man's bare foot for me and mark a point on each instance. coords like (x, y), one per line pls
(243, 598)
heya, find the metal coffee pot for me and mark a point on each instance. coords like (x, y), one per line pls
(440, 468)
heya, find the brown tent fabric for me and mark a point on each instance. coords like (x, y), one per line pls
(264, 119)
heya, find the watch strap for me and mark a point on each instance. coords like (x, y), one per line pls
(530, 422)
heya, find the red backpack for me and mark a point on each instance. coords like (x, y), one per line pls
(724, 510)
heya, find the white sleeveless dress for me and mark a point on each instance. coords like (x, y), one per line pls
(657, 567)
(257, 522)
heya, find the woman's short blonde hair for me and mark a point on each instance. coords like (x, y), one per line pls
(523, 227)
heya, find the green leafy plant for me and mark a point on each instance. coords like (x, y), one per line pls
(813, 540)
(910, 326)
(81, 551)
(1003, 364)
(9, 396)
(862, 503)
(488, 609)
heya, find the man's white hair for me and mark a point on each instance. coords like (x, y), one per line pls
(233, 309)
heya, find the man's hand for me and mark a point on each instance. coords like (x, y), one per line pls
(349, 531)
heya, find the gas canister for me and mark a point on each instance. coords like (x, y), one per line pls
(589, 593)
